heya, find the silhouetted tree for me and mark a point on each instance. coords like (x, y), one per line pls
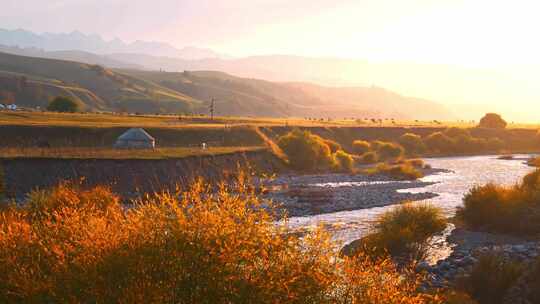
(63, 104)
(492, 121)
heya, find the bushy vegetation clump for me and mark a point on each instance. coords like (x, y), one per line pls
(388, 150)
(334, 146)
(404, 171)
(412, 143)
(344, 161)
(369, 158)
(309, 152)
(63, 104)
(67, 245)
(2, 183)
(439, 142)
(534, 162)
(306, 151)
(491, 278)
(514, 209)
(459, 140)
(404, 232)
(361, 147)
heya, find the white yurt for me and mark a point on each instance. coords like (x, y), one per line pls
(135, 138)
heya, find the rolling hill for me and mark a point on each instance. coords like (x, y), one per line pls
(32, 82)
(246, 96)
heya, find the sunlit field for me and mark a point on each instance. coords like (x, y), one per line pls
(110, 153)
(180, 121)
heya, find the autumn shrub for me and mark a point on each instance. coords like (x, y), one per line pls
(2, 183)
(387, 150)
(306, 151)
(533, 282)
(415, 162)
(491, 278)
(412, 143)
(514, 209)
(205, 247)
(364, 279)
(376, 144)
(404, 231)
(534, 162)
(439, 142)
(404, 171)
(469, 144)
(334, 146)
(344, 161)
(369, 158)
(361, 147)
(69, 245)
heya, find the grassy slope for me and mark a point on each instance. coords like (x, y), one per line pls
(109, 153)
(253, 97)
(93, 87)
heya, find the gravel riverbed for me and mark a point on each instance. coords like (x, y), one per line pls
(303, 195)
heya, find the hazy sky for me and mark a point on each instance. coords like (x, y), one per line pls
(500, 36)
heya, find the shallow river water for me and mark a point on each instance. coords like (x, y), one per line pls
(465, 172)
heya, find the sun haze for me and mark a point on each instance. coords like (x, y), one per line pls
(464, 54)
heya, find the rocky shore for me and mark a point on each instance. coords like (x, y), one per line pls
(468, 246)
(303, 195)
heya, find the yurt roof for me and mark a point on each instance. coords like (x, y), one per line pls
(136, 134)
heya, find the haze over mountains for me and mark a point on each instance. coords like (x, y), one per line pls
(289, 85)
(96, 44)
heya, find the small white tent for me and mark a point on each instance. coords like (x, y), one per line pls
(135, 138)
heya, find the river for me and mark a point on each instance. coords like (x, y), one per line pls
(450, 187)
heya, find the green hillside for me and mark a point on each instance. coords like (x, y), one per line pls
(31, 82)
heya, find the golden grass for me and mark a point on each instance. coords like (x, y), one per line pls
(110, 153)
(123, 120)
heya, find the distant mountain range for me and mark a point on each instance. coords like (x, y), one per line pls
(96, 44)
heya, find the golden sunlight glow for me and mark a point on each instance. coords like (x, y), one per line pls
(454, 51)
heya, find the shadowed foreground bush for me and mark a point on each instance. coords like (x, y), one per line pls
(490, 278)
(404, 232)
(73, 246)
(514, 209)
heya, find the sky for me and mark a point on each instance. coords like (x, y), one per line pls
(498, 37)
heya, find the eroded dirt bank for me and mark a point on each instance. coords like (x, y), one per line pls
(128, 177)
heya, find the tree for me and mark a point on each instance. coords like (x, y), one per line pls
(492, 121)
(63, 104)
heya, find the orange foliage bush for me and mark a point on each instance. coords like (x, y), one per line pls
(67, 245)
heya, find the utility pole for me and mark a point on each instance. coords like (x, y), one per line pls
(212, 109)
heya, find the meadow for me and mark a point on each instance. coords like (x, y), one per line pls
(110, 153)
